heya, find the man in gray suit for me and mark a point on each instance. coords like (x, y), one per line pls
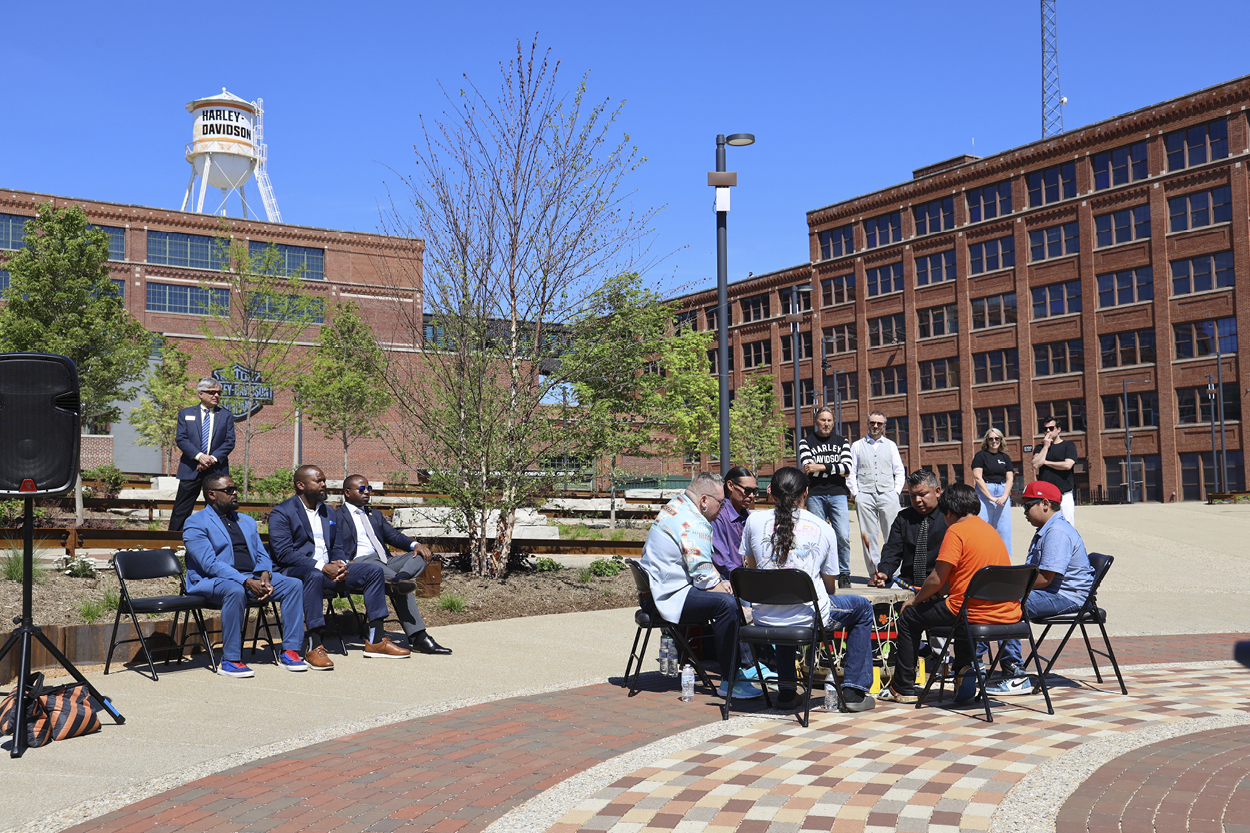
(365, 536)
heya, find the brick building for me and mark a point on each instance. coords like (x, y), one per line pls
(167, 266)
(999, 291)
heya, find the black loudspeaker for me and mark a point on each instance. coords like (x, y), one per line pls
(39, 424)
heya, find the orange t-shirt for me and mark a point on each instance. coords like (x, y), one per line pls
(969, 545)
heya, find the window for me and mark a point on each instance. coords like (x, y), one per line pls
(889, 329)
(939, 374)
(839, 290)
(935, 216)
(120, 286)
(783, 296)
(1122, 226)
(1005, 418)
(938, 321)
(686, 320)
(837, 242)
(1070, 413)
(1125, 349)
(1056, 299)
(948, 473)
(989, 202)
(709, 315)
(711, 360)
(1186, 148)
(883, 230)
(197, 251)
(840, 338)
(885, 279)
(754, 308)
(935, 268)
(992, 255)
(1055, 241)
(787, 393)
(995, 366)
(887, 381)
(805, 346)
(1197, 338)
(293, 261)
(1059, 357)
(757, 353)
(1202, 273)
(117, 240)
(994, 311)
(1200, 209)
(1196, 405)
(1198, 474)
(1143, 410)
(1052, 184)
(1127, 287)
(288, 308)
(4, 280)
(12, 226)
(945, 427)
(847, 386)
(187, 300)
(1116, 167)
(896, 429)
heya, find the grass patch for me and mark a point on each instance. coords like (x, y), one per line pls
(584, 575)
(90, 610)
(11, 567)
(342, 604)
(112, 598)
(617, 535)
(451, 602)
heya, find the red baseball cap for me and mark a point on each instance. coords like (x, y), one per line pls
(1041, 490)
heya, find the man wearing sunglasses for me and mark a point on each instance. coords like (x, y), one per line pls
(205, 436)
(366, 537)
(226, 562)
(876, 480)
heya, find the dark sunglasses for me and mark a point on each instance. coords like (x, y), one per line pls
(364, 489)
(749, 491)
(212, 392)
(229, 490)
(876, 424)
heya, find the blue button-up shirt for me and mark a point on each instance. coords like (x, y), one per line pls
(1058, 548)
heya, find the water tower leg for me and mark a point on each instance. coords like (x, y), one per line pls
(208, 168)
(243, 197)
(225, 195)
(190, 188)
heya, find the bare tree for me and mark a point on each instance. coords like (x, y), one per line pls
(519, 199)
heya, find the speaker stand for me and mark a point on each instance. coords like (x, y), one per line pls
(26, 631)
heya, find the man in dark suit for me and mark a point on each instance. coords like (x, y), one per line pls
(366, 535)
(226, 561)
(305, 546)
(205, 436)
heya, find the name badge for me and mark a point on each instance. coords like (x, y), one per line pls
(190, 418)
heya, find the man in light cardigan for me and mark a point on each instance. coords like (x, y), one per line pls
(876, 480)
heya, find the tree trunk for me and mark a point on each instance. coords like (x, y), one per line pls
(503, 542)
(345, 442)
(78, 507)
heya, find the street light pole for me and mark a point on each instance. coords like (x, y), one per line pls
(795, 317)
(1128, 441)
(723, 181)
(1215, 470)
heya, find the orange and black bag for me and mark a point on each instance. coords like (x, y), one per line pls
(56, 713)
(38, 727)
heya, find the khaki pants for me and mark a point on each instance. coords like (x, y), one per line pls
(875, 514)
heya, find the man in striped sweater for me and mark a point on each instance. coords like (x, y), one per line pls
(825, 457)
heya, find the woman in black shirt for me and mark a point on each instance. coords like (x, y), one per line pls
(992, 475)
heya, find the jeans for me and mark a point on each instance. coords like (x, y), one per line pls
(232, 598)
(854, 615)
(833, 508)
(915, 619)
(1039, 604)
(997, 516)
(722, 609)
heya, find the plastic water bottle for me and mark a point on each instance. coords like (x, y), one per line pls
(687, 683)
(666, 655)
(831, 692)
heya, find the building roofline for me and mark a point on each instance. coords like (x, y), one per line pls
(764, 281)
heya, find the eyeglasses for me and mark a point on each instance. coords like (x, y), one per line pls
(212, 392)
(876, 425)
(995, 439)
(749, 491)
(719, 500)
(229, 490)
(364, 489)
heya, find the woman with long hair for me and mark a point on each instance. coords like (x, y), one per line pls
(992, 477)
(791, 538)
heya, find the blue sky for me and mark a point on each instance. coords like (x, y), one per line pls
(843, 98)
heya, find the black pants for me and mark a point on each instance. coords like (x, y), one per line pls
(928, 614)
(188, 493)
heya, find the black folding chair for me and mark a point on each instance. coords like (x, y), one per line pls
(139, 565)
(1089, 614)
(992, 584)
(332, 616)
(263, 611)
(648, 618)
(778, 587)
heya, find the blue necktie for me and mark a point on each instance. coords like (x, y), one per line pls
(206, 430)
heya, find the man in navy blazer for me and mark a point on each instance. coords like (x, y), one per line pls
(305, 545)
(200, 458)
(226, 561)
(365, 535)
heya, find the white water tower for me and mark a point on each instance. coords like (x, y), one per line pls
(227, 148)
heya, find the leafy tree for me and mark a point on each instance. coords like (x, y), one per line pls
(344, 392)
(62, 300)
(756, 426)
(267, 310)
(690, 409)
(166, 391)
(518, 197)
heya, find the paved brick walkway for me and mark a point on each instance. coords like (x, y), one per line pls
(893, 768)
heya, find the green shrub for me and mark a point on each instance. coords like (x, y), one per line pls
(451, 602)
(13, 511)
(276, 485)
(110, 476)
(617, 535)
(547, 565)
(90, 610)
(11, 567)
(607, 566)
(112, 598)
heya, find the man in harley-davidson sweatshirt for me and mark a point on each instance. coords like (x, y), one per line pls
(825, 457)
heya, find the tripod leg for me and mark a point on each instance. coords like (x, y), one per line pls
(77, 675)
(19, 716)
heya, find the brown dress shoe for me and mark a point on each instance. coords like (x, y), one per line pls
(386, 649)
(318, 659)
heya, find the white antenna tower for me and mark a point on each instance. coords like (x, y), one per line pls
(228, 149)
(1052, 99)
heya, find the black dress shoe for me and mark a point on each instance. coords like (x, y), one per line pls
(402, 586)
(425, 644)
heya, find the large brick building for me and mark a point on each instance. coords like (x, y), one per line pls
(167, 266)
(1002, 290)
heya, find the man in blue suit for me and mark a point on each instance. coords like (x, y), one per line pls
(205, 436)
(305, 545)
(366, 535)
(225, 562)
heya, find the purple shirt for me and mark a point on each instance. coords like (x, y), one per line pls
(727, 537)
